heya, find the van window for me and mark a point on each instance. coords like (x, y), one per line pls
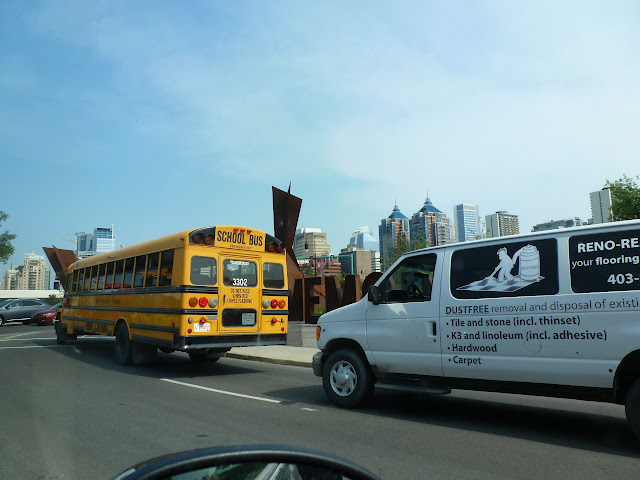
(605, 262)
(508, 269)
(410, 281)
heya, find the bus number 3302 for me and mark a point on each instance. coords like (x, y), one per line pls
(240, 282)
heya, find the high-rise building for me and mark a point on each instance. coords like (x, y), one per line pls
(102, 240)
(432, 223)
(362, 238)
(557, 224)
(391, 230)
(501, 223)
(11, 278)
(357, 261)
(310, 242)
(467, 222)
(601, 205)
(35, 274)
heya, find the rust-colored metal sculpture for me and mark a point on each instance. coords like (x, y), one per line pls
(60, 261)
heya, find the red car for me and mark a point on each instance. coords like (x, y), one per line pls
(45, 317)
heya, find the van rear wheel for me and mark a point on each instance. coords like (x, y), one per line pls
(347, 379)
(632, 407)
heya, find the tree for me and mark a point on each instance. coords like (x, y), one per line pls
(625, 199)
(6, 249)
(418, 240)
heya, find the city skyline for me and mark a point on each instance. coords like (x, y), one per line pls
(159, 121)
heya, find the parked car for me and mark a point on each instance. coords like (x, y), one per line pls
(20, 309)
(45, 317)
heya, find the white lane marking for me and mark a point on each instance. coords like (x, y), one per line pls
(76, 349)
(306, 409)
(26, 339)
(223, 392)
(11, 337)
(35, 346)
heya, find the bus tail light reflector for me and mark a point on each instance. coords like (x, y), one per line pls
(204, 301)
(282, 303)
(274, 320)
(203, 321)
(266, 303)
(213, 302)
(274, 303)
(193, 301)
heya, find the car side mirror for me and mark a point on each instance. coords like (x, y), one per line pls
(254, 461)
(373, 295)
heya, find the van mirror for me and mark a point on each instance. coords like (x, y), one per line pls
(374, 295)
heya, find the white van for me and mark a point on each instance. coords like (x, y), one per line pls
(553, 313)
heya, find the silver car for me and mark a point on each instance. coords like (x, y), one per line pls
(20, 309)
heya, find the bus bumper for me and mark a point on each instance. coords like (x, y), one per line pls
(228, 341)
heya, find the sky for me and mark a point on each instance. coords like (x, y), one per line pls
(158, 117)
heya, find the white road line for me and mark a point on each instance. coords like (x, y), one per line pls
(223, 392)
(20, 335)
(35, 346)
(76, 349)
(306, 409)
(26, 339)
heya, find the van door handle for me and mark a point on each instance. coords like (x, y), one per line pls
(432, 328)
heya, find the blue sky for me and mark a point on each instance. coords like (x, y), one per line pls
(161, 116)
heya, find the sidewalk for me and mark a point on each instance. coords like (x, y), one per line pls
(280, 354)
(299, 351)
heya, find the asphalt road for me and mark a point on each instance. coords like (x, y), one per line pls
(69, 412)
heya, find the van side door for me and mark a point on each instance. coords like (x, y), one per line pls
(402, 330)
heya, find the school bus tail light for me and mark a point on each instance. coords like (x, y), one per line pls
(282, 303)
(208, 240)
(193, 301)
(274, 320)
(197, 238)
(213, 302)
(266, 303)
(204, 301)
(274, 303)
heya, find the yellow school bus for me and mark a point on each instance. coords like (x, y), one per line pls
(201, 291)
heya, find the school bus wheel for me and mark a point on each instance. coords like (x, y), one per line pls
(123, 351)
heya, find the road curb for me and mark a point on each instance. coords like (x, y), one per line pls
(277, 361)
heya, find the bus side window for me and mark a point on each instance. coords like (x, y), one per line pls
(87, 279)
(152, 270)
(74, 281)
(166, 267)
(141, 265)
(94, 277)
(101, 270)
(109, 278)
(128, 273)
(117, 279)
